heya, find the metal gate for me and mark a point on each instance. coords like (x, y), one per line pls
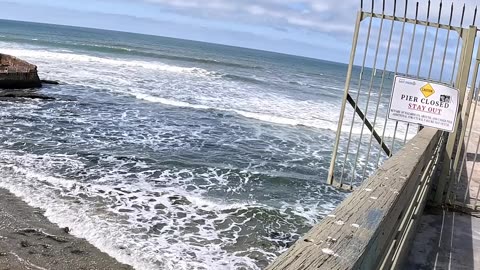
(422, 41)
(463, 181)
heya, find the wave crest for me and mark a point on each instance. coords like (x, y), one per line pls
(112, 62)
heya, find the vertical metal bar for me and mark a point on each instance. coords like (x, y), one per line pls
(408, 66)
(470, 131)
(358, 94)
(467, 114)
(429, 77)
(458, 44)
(446, 43)
(406, 133)
(424, 39)
(413, 39)
(383, 78)
(331, 171)
(471, 174)
(418, 71)
(461, 83)
(392, 148)
(476, 199)
(435, 41)
(475, 15)
(422, 52)
(370, 86)
(465, 119)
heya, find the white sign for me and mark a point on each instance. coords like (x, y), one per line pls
(425, 103)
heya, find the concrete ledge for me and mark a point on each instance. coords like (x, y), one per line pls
(373, 225)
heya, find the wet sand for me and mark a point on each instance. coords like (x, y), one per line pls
(29, 241)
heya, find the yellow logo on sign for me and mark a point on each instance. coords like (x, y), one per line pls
(427, 90)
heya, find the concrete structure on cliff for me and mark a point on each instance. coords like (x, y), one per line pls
(17, 74)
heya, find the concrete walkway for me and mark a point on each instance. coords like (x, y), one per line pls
(448, 239)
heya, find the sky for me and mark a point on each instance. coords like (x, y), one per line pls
(313, 28)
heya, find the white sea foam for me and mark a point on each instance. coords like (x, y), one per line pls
(165, 221)
(84, 58)
(108, 47)
(196, 88)
(170, 102)
(142, 223)
(253, 115)
(276, 119)
(117, 238)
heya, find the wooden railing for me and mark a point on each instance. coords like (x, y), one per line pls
(373, 227)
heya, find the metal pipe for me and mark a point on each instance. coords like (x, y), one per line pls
(458, 45)
(448, 170)
(446, 43)
(372, 78)
(406, 133)
(369, 125)
(421, 55)
(394, 136)
(476, 199)
(471, 125)
(408, 67)
(435, 42)
(429, 77)
(418, 75)
(413, 40)
(471, 173)
(358, 94)
(424, 39)
(471, 95)
(331, 170)
(420, 22)
(383, 79)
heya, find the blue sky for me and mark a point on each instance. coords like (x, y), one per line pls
(304, 27)
(314, 28)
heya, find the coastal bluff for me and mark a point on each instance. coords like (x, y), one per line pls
(17, 74)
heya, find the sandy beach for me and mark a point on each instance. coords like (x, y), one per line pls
(29, 241)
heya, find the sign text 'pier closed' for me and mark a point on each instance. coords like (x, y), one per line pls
(424, 103)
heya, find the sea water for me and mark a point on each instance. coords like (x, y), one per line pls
(172, 154)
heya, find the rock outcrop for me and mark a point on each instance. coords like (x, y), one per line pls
(17, 74)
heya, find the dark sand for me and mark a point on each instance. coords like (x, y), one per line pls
(29, 241)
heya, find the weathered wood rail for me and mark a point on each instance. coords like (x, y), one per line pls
(373, 227)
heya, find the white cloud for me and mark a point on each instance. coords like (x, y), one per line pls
(317, 23)
(315, 15)
(329, 16)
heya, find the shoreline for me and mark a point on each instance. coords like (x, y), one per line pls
(28, 240)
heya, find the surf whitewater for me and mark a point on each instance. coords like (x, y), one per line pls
(171, 154)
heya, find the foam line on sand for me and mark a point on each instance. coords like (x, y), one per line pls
(29, 241)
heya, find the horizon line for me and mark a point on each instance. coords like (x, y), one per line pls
(170, 37)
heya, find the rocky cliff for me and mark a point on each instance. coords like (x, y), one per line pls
(17, 74)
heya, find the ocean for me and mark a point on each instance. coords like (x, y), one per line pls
(168, 153)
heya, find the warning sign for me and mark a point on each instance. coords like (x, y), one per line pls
(427, 90)
(424, 103)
